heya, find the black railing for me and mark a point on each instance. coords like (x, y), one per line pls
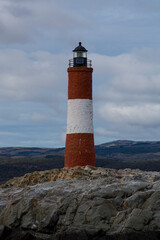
(71, 63)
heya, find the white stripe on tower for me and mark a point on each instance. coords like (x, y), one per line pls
(80, 116)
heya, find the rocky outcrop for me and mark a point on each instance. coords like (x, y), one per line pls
(81, 203)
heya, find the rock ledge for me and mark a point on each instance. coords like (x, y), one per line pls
(81, 203)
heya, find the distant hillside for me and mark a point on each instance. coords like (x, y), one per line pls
(16, 161)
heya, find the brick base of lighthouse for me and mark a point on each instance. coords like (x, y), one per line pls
(79, 150)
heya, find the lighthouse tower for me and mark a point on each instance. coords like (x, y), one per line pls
(80, 138)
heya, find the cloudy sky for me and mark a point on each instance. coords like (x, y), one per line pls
(36, 40)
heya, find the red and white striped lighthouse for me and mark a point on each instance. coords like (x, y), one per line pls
(80, 138)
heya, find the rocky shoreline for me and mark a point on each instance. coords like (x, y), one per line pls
(81, 203)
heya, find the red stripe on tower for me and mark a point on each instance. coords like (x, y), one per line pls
(80, 138)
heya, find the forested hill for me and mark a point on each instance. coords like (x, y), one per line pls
(16, 161)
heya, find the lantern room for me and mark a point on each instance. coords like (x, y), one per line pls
(80, 56)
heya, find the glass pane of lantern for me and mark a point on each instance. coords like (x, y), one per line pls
(74, 54)
(85, 54)
(79, 54)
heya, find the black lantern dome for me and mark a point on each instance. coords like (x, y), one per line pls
(80, 48)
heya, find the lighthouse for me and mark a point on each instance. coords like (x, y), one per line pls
(79, 149)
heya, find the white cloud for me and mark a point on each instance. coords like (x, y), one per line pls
(38, 76)
(22, 21)
(33, 97)
(106, 26)
(143, 115)
(132, 76)
(126, 93)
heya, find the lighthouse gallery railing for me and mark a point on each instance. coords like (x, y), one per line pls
(71, 63)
